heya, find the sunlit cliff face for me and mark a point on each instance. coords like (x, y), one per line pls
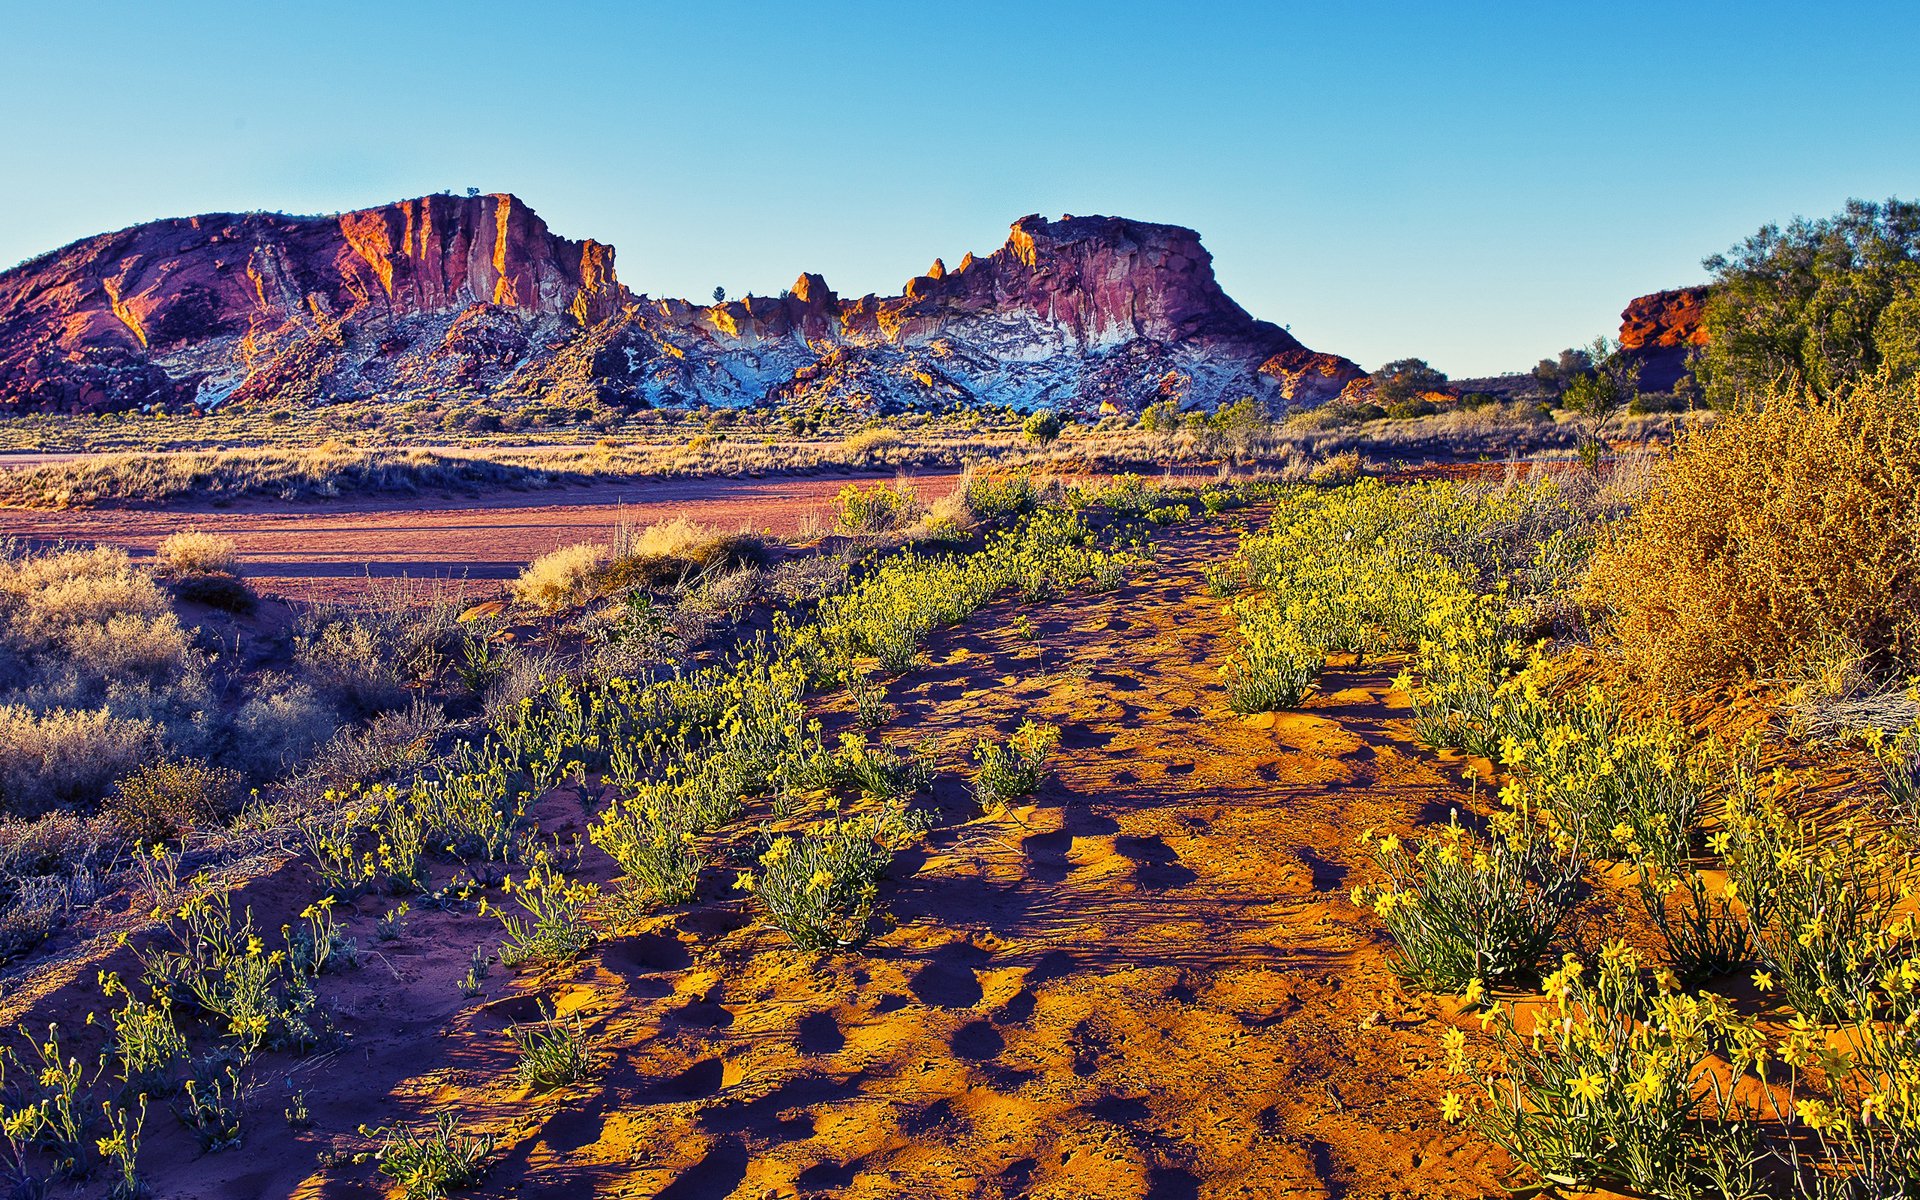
(1082, 313)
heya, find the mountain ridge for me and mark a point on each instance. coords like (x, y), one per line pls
(474, 296)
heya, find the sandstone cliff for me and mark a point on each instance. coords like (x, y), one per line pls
(1660, 330)
(459, 297)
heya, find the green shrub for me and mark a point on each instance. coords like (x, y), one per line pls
(161, 801)
(1042, 426)
(1462, 908)
(1011, 769)
(876, 509)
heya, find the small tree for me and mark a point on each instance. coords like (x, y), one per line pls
(1405, 379)
(1556, 375)
(719, 295)
(1162, 416)
(1042, 427)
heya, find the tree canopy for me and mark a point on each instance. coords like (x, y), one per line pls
(1821, 303)
(1405, 379)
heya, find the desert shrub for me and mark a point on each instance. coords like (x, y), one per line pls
(879, 508)
(1462, 908)
(668, 552)
(1008, 770)
(279, 726)
(869, 445)
(1042, 426)
(67, 757)
(998, 495)
(1617, 1085)
(163, 800)
(1775, 531)
(1343, 467)
(349, 660)
(819, 886)
(224, 592)
(561, 578)
(430, 1164)
(192, 552)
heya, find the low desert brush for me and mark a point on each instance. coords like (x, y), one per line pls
(562, 578)
(431, 1163)
(879, 508)
(1463, 908)
(1774, 531)
(1006, 771)
(192, 552)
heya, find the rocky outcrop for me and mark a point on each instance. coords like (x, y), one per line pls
(1661, 330)
(459, 297)
(206, 307)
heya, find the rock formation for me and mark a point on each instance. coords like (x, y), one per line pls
(461, 297)
(1660, 330)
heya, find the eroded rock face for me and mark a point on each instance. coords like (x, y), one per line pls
(1660, 330)
(257, 304)
(460, 297)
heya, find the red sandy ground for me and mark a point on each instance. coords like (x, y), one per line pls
(330, 550)
(1148, 983)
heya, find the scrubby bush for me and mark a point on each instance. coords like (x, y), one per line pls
(876, 509)
(67, 757)
(192, 552)
(161, 801)
(668, 552)
(1775, 532)
(562, 578)
(1042, 427)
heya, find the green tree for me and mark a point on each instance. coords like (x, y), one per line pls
(1405, 379)
(1820, 303)
(1162, 416)
(719, 295)
(1042, 427)
(1555, 375)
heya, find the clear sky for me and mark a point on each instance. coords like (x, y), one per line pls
(1478, 185)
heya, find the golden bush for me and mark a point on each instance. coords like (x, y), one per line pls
(563, 577)
(1774, 534)
(191, 552)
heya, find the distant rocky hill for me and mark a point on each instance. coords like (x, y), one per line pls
(1660, 330)
(461, 297)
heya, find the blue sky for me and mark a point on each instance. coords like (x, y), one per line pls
(1475, 184)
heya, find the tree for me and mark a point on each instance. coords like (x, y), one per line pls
(1405, 379)
(719, 295)
(1820, 303)
(1556, 375)
(1604, 388)
(1042, 427)
(1162, 416)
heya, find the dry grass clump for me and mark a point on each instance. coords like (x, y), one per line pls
(667, 552)
(192, 552)
(67, 757)
(562, 578)
(1776, 534)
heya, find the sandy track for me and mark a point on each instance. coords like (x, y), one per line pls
(1146, 984)
(330, 550)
